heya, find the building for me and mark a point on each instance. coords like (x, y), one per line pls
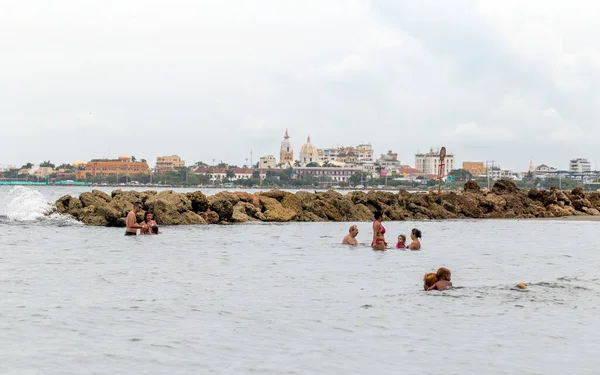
(429, 163)
(41, 172)
(475, 168)
(165, 164)
(580, 165)
(267, 162)
(543, 171)
(365, 153)
(389, 161)
(123, 166)
(308, 153)
(286, 152)
(232, 174)
(332, 174)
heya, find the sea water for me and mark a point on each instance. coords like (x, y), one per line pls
(287, 298)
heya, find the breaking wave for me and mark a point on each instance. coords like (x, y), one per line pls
(25, 205)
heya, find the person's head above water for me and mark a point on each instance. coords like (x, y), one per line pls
(155, 229)
(401, 238)
(378, 215)
(137, 207)
(415, 233)
(429, 280)
(148, 216)
(444, 274)
(353, 230)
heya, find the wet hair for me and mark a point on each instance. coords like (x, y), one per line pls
(378, 215)
(416, 232)
(403, 237)
(442, 272)
(429, 279)
(155, 229)
(352, 227)
(147, 213)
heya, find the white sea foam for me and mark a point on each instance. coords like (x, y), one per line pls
(23, 204)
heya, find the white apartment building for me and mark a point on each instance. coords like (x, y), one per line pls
(429, 163)
(365, 152)
(336, 174)
(267, 162)
(580, 165)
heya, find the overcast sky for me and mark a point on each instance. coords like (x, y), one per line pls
(214, 79)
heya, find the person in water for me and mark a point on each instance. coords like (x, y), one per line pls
(131, 222)
(378, 242)
(401, 242)
(415, 234)
(148, 224)
(442, 280)
(350, 238)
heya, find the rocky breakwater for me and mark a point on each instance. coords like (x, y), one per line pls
(504, 200)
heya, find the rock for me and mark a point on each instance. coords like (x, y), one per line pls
(199, 201)
(171, 208)
(222, 203)
(472, 186)
(581, 203)
(536, 195)
(504, 187)
(101, 195)
(578, 192)
(243, 212)
(274, 211)
(210, 217)
(492, 202)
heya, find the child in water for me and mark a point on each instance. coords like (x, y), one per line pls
(401, 242)
(439, 280)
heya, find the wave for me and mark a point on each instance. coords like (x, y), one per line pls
(26, 205)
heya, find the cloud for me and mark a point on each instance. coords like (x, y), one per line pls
(213, 79)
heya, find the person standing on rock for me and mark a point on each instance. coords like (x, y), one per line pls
(378, 242)
(131, 221)
(350, 238)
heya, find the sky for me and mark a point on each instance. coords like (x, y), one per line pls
(507, 81)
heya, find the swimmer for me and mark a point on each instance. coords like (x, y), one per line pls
(429, 280)
(378, 242)
(350, 238)
(401, 242)
(415, 234)
(131, 221)
(443, 276)
(148, 224)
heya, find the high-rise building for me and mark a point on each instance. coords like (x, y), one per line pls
(286, 153)
(429, 163)
(165, 164)
(580, 165)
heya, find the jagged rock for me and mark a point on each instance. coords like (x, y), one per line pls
(471, 186)
(222, 203)
(171, 208)
(199, 201)
(504, 187)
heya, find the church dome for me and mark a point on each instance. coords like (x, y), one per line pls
(309, 148)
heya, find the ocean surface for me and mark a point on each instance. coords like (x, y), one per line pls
(289, 299)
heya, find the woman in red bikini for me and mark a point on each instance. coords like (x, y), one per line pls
(378, 242)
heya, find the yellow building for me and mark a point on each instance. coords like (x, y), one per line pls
(122, 166)
(165, 164)
(475, 168)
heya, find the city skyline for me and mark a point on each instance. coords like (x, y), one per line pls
(209, 80)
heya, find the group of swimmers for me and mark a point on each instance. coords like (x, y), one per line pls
(432, 281)
(378, 242)
(148, 226)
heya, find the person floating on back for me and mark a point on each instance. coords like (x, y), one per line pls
(131, 221)
(350, 238)
(439, 280)
(415, 234)
(401, 242)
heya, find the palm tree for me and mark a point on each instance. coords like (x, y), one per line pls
(297, 163)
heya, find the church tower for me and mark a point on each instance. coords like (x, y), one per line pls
(286, 153)
(531, 168)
